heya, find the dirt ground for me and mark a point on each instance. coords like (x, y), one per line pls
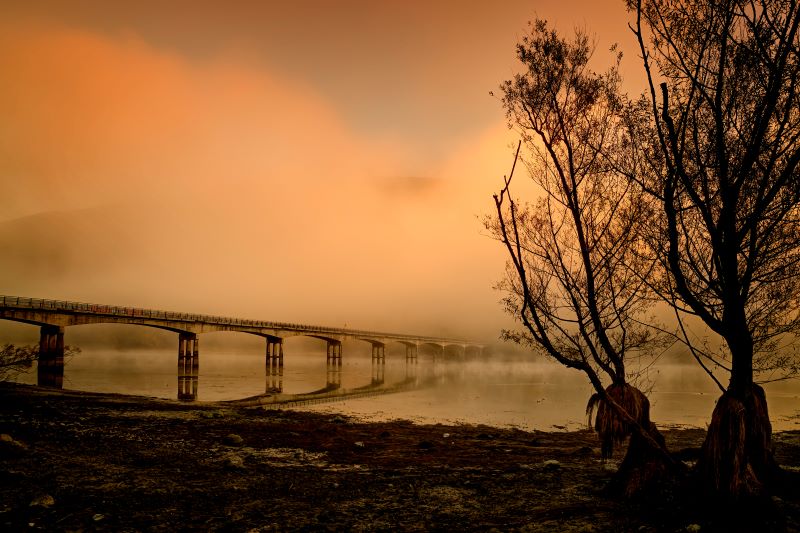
(92, 462)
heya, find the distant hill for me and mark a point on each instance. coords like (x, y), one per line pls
(47, 248)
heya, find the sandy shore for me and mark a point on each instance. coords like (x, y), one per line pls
(85, 462)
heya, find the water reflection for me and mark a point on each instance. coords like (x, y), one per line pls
(378, 371)
(274, 365)
(334, 377)
(411, 368)
(50, 369)
(119, 372)
(274, 376)
(188, 372)
(188, 380)
(532, 394)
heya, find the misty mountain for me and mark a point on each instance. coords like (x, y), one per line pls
(46, 248)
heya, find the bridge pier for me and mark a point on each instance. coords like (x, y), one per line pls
(411, 353)
(274, 353)
(378, 371)
(378, 352)
(334, 364)
(275, 379)
(188, 366)
(274, 363)
(439, 352)
(378, 363)
(50, 369)
(334, 377)
(334, 349)
(473, 352)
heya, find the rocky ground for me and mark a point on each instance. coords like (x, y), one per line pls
(86, 462)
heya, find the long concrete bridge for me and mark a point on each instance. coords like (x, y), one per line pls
(53, 316)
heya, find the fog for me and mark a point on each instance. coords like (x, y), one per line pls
(316, 165)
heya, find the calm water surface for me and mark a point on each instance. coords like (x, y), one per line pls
(529, 395)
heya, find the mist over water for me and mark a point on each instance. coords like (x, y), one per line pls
(533, 394)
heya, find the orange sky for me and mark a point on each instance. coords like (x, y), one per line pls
(310, 161)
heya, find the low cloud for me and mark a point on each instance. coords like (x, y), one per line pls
(216, 187)
(413, 186)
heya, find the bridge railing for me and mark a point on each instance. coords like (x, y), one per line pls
(135, 312)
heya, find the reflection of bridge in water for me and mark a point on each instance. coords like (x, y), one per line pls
(333, 389)
(53, 316)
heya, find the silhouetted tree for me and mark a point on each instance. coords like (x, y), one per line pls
(15, 360)
(725, 122)
(574, 279)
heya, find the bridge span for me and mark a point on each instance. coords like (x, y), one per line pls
(53, 316)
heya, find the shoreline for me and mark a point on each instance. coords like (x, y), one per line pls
(82, 460)
(306, 402)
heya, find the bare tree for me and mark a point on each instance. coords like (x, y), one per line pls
(724, 159)
(15, 360)
(574, 277)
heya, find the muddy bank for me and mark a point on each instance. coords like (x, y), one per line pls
(85, 462)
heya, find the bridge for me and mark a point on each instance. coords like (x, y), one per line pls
(53, 316)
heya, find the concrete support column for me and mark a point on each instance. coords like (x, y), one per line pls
(274, 364)
(50, 369)
(411, 353)
(440, 355)
(334, 353)
(334, 363)
(195, 356)
(379, 352)
(378, 368)
(188, 366)
(274, 353)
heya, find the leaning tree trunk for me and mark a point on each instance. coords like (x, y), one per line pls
(736, 461)
(647, 464)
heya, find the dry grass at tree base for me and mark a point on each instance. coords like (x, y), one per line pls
(736, 458)
(610, 427)
(647, 470)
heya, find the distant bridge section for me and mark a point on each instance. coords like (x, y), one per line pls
(53, 316)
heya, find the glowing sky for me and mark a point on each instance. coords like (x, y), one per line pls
(311, 161)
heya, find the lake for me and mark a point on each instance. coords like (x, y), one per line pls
(534, 394)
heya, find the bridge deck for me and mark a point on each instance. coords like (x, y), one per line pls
(136, 315)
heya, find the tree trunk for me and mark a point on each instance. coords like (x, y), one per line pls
(647, 465)
(646, 468)
(736, 461)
